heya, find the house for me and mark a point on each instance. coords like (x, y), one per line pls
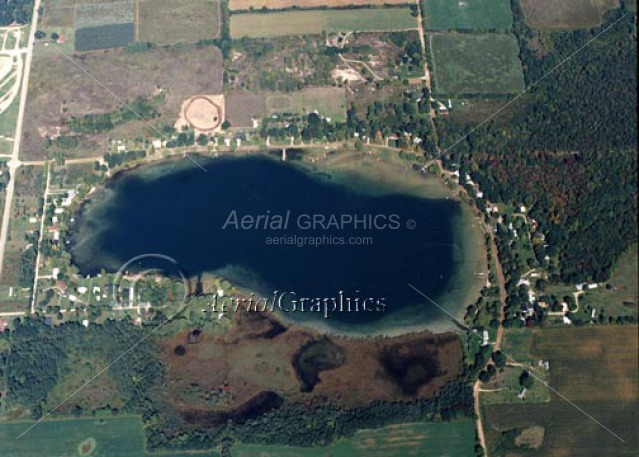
(566, 320)
(593, 286)
(69, 198)
(484, 337)
(61, 285)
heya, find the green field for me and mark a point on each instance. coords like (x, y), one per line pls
(476, 64)
(259, 25)
(328, 101)
(120, 437)
(177, 21)
(426, 439)
(567, 14)
(467, 14)
(623, 298)
(9, 118)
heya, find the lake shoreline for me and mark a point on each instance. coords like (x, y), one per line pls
(383, 177)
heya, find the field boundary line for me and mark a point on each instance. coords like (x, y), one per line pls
(117, 359)
(126, 105)
(511, 101)
(464, 325)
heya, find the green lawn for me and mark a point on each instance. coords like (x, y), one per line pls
(118, 437)
(486, 64)
(425, 439)
(623, 298)
(9, 118)
(467, 14)
(259, 25)
(328, 101)
(507, 387)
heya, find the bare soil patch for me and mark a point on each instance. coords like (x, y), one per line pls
(203, 113)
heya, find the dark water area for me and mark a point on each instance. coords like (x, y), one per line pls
(257, 406)
(315, 357)
(180, 211)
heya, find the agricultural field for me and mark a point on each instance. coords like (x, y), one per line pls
(264, 25)
(177, 21)
(104, 25)
(330, 102)
(452, 439)
(155, 77)
(104, 37)
(566, 14)
(476, 64)
(120, 437)
(245, 5)
(89, 25)
(467, 14)
(594, 367)
(59, 13)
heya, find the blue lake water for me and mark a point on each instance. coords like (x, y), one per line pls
(372, 243)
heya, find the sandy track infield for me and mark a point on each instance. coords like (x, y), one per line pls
(203, 113)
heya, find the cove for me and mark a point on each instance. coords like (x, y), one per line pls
(311, 233)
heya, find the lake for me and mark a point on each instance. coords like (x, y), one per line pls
(331, 243)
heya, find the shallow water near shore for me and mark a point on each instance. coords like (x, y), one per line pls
(380, 227)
